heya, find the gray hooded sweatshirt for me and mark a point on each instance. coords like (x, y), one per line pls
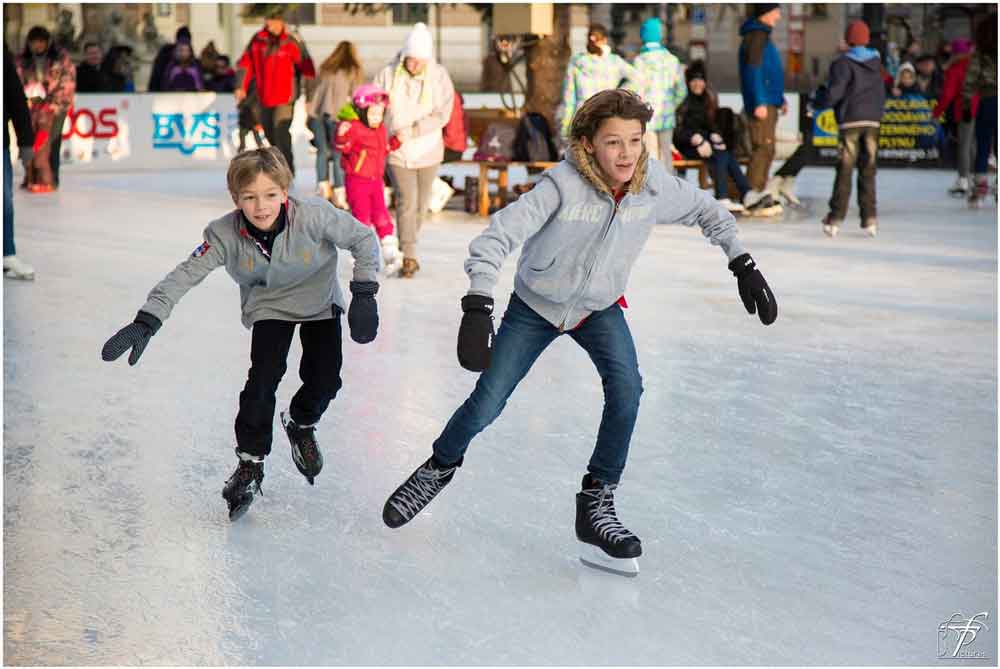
(299, 283)
(579, 245)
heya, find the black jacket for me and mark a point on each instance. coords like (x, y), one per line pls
(855, 89)
(15, 105)
(692, 118)
(90, 79)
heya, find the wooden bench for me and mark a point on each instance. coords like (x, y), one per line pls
(497, 173)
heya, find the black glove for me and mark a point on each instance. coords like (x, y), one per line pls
(133, 336)
(754, 291)
(362, 316)
(475, 336)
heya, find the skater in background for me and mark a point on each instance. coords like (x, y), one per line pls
(981, 80)
(16, 114)
(582, 226)
(49, 80)
(857, 94)
(363, 145)
(762, 85)
(421, 96)
(282, 252)
(273, 61)
(588, 73)
(339, 75)
(698, 137)
(661, 84)
(951, 101)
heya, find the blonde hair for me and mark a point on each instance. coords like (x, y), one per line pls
(245, 167)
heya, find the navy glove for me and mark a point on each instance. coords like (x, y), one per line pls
(133, 336)
(362, 316)
(475, 336)
(754, 291)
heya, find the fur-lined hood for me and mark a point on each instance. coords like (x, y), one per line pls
(585, 164)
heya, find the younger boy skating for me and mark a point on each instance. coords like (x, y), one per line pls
(582, 226)
(364, 144)
(282, 251)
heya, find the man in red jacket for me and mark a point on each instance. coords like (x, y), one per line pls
(273, 60)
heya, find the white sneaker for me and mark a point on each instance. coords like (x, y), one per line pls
(339, 198)
(830, 226)
(15, 268)
(753, 198)
(734, 207)
(961, 187)
(392, 258)
(787, 191)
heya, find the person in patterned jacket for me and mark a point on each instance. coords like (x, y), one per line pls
(590, 73)
(49, 80)
(662, 85)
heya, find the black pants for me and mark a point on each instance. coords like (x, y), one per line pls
(319, 370)
(54, 155)
(857, 147)
(277, 122)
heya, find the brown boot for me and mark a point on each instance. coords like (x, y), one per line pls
(410, 267)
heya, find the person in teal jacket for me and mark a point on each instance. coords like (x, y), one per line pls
(762, 83)
(661, 84)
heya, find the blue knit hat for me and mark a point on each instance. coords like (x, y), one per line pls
(651, 30)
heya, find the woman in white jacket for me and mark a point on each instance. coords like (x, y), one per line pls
(420, 102)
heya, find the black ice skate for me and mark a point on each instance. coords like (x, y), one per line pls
(305, 450)
(241, 486)
(417, 492)
(609, 546)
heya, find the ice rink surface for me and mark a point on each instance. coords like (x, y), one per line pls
(820, 491)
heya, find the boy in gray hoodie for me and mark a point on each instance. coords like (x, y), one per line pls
(582, 227)
(282, 252)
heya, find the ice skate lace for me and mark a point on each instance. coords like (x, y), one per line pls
(248, 473)
(419, 490)
(603, 516)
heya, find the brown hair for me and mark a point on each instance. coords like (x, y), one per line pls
(245, 167)
(344, 57)
(616, 102)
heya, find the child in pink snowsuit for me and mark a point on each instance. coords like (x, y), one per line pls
(364, 145)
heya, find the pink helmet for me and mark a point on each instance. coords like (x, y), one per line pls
(367, 95)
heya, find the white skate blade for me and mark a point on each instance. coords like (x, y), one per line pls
(594, 557)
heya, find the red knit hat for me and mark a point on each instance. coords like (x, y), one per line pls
(857, 33)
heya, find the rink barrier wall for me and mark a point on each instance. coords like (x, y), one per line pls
(156, 131)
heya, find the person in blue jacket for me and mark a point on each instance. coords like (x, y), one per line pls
(762, 82)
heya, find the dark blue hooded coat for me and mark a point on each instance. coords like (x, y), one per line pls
(762, 78)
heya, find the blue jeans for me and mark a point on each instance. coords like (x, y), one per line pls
(986, 127)
(323, 129)
(723, 166)
(522, 337)
(8, 204)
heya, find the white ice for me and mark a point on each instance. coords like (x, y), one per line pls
(821, 491)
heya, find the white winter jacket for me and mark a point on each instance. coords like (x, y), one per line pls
(419, 108)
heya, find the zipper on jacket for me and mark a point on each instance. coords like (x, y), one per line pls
(597, 258)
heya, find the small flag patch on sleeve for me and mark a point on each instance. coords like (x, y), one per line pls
(201, 250)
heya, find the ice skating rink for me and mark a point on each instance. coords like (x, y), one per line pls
(821, 491)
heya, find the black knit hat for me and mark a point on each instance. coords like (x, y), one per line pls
(696, 70)
(761, 8)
